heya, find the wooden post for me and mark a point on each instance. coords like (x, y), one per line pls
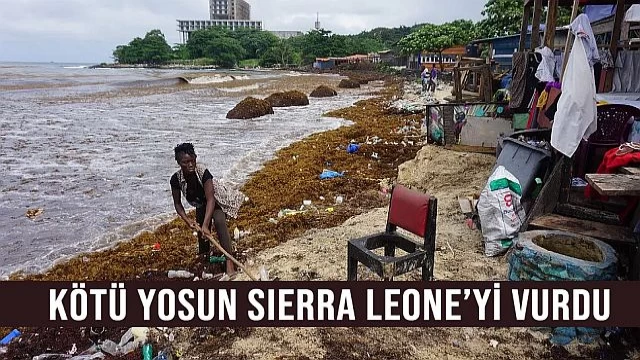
(613, 47)
(569, 44)
(535, 25)
(525, 27)
(550, 26)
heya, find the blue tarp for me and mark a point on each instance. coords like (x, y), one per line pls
(598, 12)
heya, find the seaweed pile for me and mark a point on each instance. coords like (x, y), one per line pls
(349, 84)
(288, 98)
(323, 91)
(250, 108)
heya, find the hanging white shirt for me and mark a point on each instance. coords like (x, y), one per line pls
(547, 65)
(575, 118)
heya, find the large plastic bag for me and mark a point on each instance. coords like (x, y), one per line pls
(500, 212)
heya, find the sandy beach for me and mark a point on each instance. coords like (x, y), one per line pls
(312, 246)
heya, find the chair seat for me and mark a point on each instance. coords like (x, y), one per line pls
(388, 265)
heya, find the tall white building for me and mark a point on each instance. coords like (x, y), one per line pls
(231, 14)
(229, 10)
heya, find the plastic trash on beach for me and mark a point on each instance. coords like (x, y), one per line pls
(330, 174)
(339, 200)
(179, 274)
(353, 148)
(264, 274)
(236, 233)
(12, 335)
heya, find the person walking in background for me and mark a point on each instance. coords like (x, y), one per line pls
(433, 78)
(425, 75)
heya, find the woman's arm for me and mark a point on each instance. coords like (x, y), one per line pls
(177, 204)
(211, 204)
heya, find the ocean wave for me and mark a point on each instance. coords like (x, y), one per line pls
(75, 67)
(214, 79)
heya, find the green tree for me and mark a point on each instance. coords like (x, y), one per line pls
(152, 49)
(504, 17)
(282, 53)
(181, 52)
(225, 51)
(255, 42)
(437, 38)
(155, 49)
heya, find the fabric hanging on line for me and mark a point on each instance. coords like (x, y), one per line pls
(542, 100)
(547, 66)
(606, 59)
(626, 77)
(576, 116)
(581, 28)
(633, 14)
(518, 81)
(544, 121)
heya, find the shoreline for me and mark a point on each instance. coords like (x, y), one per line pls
(177, 243)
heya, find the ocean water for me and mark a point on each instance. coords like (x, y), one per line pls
(93, 148)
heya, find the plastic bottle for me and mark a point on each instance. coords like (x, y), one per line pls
(179, 274)
(12, 335)
(147, 352)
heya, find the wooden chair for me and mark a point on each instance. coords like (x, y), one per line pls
(410, 210)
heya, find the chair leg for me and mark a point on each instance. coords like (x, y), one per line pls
(389, 249)
(427, 268)
(352, 269)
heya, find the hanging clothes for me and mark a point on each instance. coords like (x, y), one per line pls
(581, 28)
(633, 14)
(547, 65)
(575, 118)
(518, 80)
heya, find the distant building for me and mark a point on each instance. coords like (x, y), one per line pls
(229, 10)
(317, 24)
(331, 62)
(186, 27)
(426, 59)
(230, 14)
(286, 34)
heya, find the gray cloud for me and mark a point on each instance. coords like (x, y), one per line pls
(89, 30)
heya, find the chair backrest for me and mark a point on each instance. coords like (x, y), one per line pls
(413, 211)
(612, 122)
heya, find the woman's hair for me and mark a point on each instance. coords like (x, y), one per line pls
(185, 148)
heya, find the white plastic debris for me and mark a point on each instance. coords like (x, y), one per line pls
(264, 274)
(493, 343)
(236, 233)
(179, 274)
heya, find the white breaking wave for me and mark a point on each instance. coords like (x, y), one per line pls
(215, 79)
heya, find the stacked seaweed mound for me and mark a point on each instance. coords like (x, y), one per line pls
(250, 108)
(349, 84)
(288, 98)
(323, 91)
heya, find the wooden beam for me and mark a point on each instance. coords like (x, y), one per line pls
(615, 36)
(525, 27)
(617, 26)
(569, 44)
(615, 184)
(550, 25)
(609, 233)
(535, 25)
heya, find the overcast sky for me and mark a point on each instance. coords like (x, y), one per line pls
(87, 31)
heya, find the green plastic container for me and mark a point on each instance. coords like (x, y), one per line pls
(147, 352)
